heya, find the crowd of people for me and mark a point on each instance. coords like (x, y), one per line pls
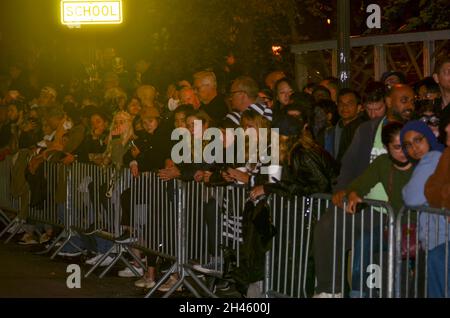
(389, 143)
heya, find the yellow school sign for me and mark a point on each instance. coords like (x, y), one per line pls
(76, 12)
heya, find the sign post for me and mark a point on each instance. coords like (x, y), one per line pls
(77, 12)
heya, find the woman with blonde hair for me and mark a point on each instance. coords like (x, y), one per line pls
(120, 135)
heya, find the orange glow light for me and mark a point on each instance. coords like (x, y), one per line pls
(276, 49)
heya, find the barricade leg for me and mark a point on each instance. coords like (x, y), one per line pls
(70, 235)
(14, 223)
(58, 239)
(4, 219)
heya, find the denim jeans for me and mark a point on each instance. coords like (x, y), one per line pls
(436, 272)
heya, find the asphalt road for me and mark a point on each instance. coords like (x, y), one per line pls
(23, 274)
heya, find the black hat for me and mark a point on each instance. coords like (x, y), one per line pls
(400, 75)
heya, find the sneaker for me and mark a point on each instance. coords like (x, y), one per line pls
(70, 254)
(94, 260)
(125, 239)
(169, 284)
(145, 283)
(44, 238)
(210, 268)
(223, 286)
(56, 245)
(27, 239)
(328, 295)
(128, 273)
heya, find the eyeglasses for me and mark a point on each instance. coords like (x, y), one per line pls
(231, 94)
(430, 120)
(416, 141)
(197, 88)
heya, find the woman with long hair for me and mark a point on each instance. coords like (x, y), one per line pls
(306, 167)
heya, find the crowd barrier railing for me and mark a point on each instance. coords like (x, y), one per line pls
(188, 221)
(10, 204)
(93, 207)
(359, 242)
(422, 253)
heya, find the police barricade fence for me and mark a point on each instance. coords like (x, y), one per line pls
(14, 194)
(422, 253)
(213, 231)
(185, 221)
(188, 224)
(9, 206)
(360, 247)
(94, 209)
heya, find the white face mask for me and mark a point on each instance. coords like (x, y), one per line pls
(173, 104)
(67, 125)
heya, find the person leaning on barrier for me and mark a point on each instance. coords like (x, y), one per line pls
(189, 171)
(252, 252)
(257, 230)
(393, 170)
(94, 144)
(422, 147)
(147, 153)
(306, 167)
(437, 192)
(366, 144)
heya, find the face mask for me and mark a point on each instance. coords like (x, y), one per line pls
(398, 163)
(172, 104)
(67, 125)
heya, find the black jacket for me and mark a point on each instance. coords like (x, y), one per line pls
(311, 171)
(155, 149)
(357, 157)
(90, 146)
(217, 109)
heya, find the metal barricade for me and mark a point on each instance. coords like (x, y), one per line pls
(189, 221)
(312, 231)
(422, 253)
(153, 215)
(9, 206)
(48, 204)
(46, 211)
(213, 231)
(105, 186)
(154, 219)
(286, 263)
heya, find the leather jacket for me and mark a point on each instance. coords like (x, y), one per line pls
(312, 170)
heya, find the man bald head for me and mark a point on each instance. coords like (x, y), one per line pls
(400, 103)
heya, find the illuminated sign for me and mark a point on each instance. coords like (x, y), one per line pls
(76, 12)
